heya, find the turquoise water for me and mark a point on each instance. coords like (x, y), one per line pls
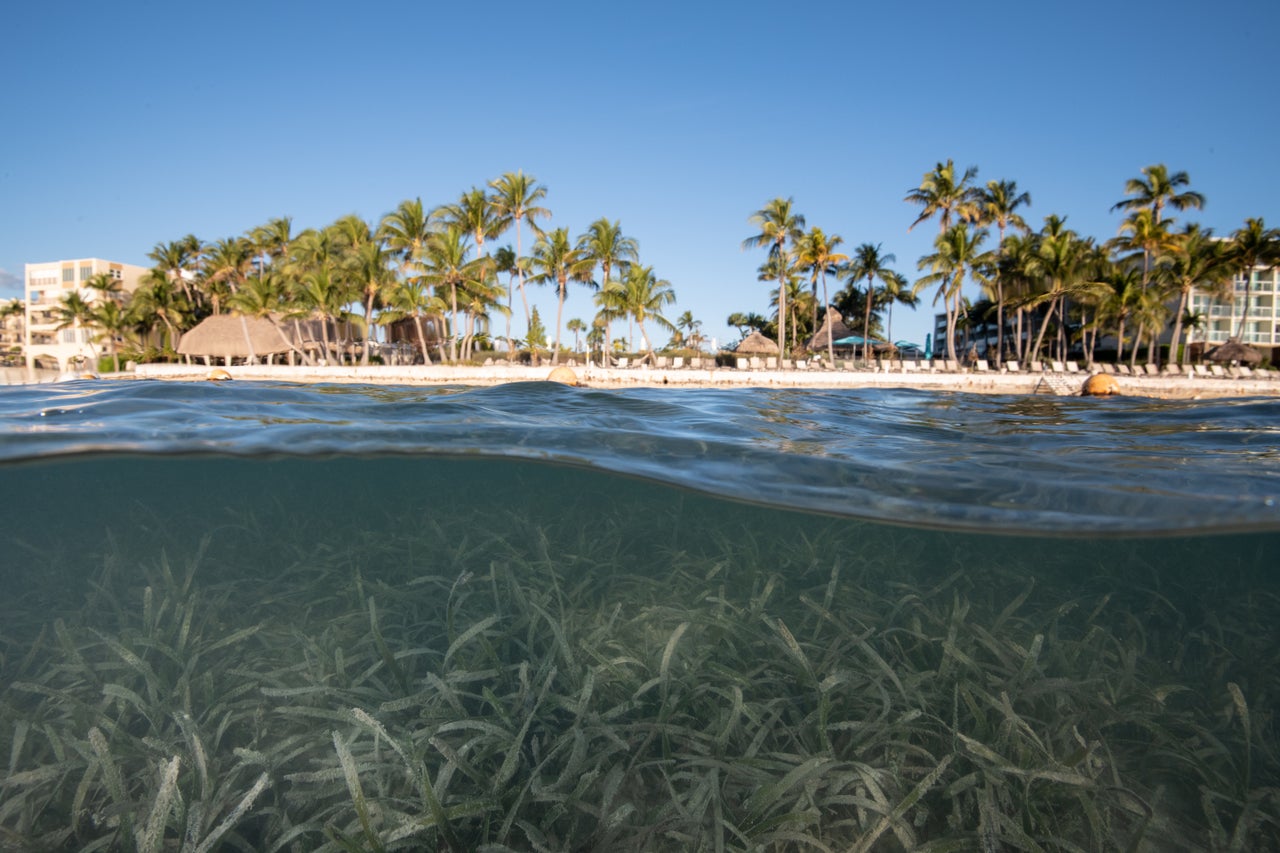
(259, 616)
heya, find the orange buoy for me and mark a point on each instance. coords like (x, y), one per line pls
(218, 375)
(1100, 385)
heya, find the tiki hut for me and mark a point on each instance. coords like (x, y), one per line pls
(756, 344)
(1234, 351)
(229, 336)
(834, 324)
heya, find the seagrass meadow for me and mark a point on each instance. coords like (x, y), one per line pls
(414, 652)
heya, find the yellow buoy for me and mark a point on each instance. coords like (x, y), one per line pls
(218, 375)
(1100, 385)
(563, 375)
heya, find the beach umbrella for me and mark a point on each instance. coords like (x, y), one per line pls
(1233, 350)
(928, 346)
(852, 341)
(233, 336)
(838, 330)
(757, 344)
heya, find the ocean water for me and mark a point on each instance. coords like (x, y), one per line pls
(252, 616)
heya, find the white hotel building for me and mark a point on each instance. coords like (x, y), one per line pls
(1222, 319)
(46, 285)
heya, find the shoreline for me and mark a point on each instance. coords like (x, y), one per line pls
(1065, 384)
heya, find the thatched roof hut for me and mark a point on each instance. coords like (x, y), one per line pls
(835, 324)
(1234, 351)
(233, 336)
(756, 344)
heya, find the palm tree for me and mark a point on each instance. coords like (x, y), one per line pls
(1193, 259)
(156, 300)
(939, 192)
(271, 241)
(1157, 188)
(816, 252)
(869, 263)
(998, 204)
(1255, 245)
(412, 297)
(1124, 292)
(112, 321)
(643, 295)
(325, 297)
(446, 265)
(777, 226)
(178, 261)
(515, 200)
(556, 259)
(370, 265)
(605, 244)
(228, 263)
(956, 255)
(1061, 261)
(263, 297)
(576, 326)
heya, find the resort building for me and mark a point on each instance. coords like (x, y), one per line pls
(12, 337)
(46, 286)
(1222, 319)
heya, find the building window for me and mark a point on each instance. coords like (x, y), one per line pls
(86, 273)
(68, 274)
(68, 336)
(116, 275)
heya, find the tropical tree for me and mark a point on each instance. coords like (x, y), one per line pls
(868, 264)
(957, 254)
(577, 327)
(1253, 246)
(270, 241)
(412, 297)
(1155, 189)
(506, 261)
(107, 286)
(942, 194)
(515, 200)
(325, 297)
(555, 259)
(157, 302)
(643, 296)
(998, 203)
(112, 321)
(263, 297)
(446, 265)
(816, 253)
(227, 264)
(778, 228)
(369, 264)
(1193, 259)
(178, 261)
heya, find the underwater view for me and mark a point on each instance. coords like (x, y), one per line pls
(255, 616)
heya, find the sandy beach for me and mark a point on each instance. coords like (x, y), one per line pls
(1166, 387)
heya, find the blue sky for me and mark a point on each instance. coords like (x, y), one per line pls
(134, 123)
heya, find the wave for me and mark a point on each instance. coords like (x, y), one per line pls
(1024, 464)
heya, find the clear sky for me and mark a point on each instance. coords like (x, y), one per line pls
(133, 123)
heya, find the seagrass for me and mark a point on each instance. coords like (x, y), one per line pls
(656, 682)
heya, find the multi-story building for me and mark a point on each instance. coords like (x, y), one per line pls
(46, 285)
(1222, 318)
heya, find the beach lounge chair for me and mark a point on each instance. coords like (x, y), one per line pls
(677, 362)
(1057, 367)
(1201, 370)
(981, 365)
(1171, 370)
(771, 362)
(1012, 367)
(1152, 369)
(1216, 370)
(910, 365)
(1073, 367)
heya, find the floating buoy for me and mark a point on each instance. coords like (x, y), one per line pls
(1100, 385)
(563, 375)
(218, 375)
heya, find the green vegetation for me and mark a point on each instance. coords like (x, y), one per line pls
(427, 268)
(646, 671)
(1063, 290)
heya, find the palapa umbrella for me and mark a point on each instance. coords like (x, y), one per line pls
(757, 344)
(834, 324)
(1233, 350)
(233, 336)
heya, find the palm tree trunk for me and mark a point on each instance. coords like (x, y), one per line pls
(1044, 326)
(1120, 340)
(1244, 313)
(826, 304)
(368, 329)
(555, 356)
(422, 338)
(782, 319)
(866, 321)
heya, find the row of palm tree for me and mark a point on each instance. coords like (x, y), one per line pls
(1052, 279)
(430, 266)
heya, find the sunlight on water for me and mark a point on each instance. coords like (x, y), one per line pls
(399, 652)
